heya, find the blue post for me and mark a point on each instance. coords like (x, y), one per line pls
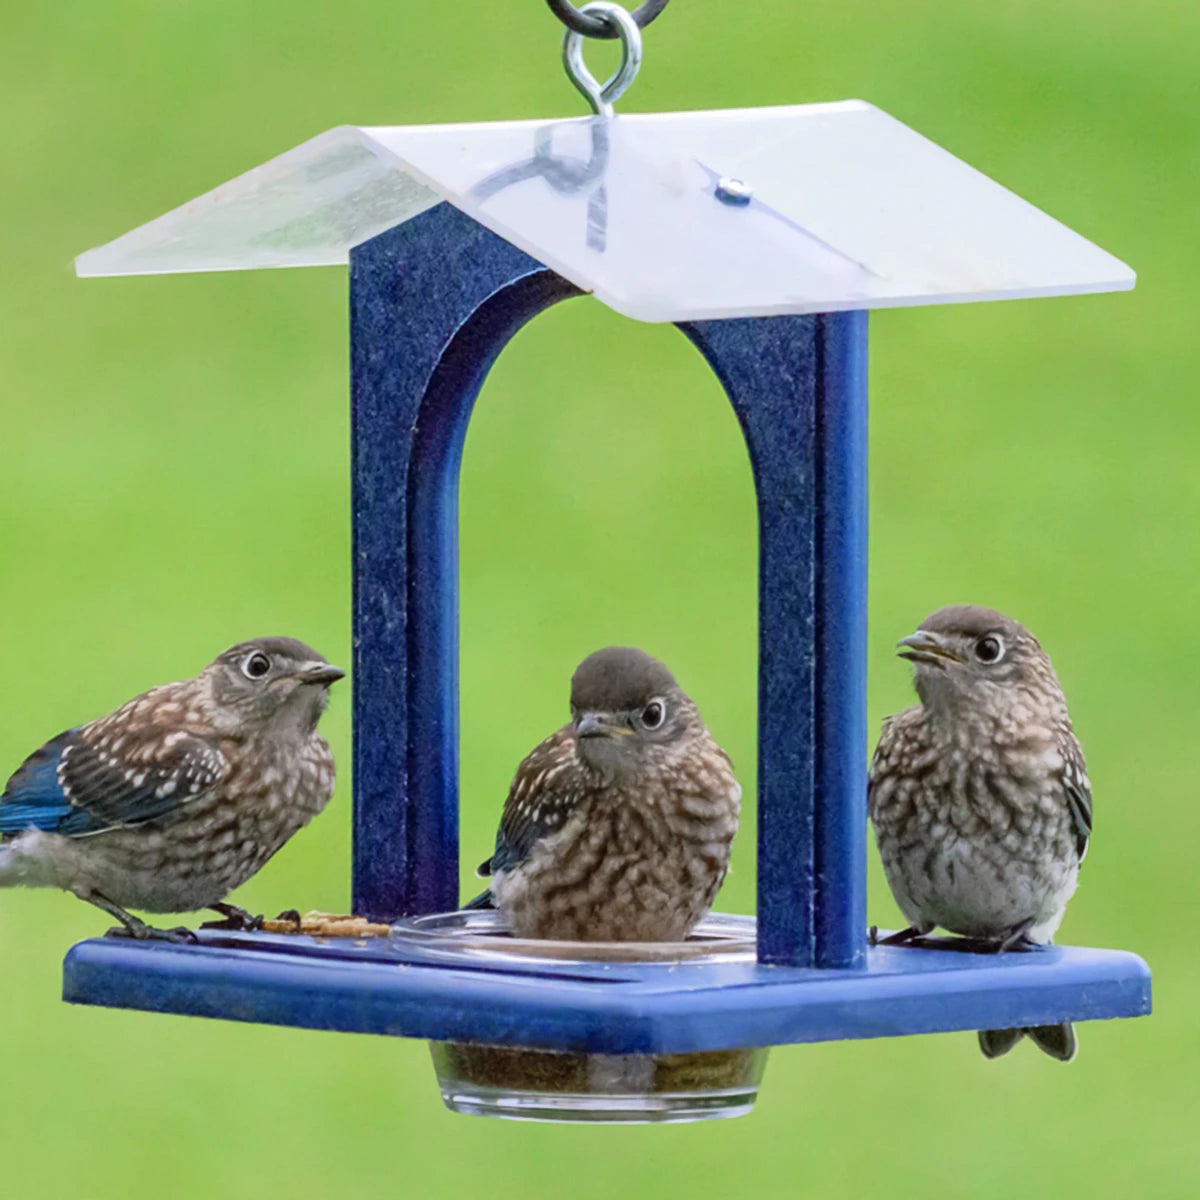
(840, 601)
(798, 386)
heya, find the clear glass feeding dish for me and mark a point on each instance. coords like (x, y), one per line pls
(555, 1085)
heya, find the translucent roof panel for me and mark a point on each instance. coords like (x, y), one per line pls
(663, 216)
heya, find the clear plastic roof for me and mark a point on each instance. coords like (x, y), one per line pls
(663, 216)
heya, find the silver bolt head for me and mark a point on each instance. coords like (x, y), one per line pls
(733, 191)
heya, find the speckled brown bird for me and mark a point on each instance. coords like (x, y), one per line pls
(179, 796)
(617, 827)
(979, 796)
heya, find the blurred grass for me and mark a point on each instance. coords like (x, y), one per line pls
(173, 477)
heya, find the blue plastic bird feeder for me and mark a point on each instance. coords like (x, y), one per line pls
(764, 236)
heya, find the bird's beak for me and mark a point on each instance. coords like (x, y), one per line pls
(320, 672)
(925, 647)
(594, 724)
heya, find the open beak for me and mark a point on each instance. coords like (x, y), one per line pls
(320, 673)
(925, 647)
(594, 724)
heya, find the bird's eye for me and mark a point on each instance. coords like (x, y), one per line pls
(256, 665)
(989, 649)
(653, 714)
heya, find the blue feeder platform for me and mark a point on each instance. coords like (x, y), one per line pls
(458, 235)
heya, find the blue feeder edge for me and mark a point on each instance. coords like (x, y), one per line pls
(433, 302)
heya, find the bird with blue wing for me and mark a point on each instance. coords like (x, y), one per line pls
(179, 796)
(980, 798)
(618, 826)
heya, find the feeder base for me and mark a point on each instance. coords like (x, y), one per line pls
(706, 995)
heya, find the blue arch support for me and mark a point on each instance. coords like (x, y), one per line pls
(433, 302)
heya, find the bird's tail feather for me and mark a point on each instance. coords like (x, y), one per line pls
(483, 900)
(995, 1042)
(10, 875)
(1058, 1041)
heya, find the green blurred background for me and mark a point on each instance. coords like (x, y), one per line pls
(173, 477)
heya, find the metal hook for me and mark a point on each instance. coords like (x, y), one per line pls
(602, 97)
(596, 27)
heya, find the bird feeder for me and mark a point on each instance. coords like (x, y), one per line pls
(765, 236)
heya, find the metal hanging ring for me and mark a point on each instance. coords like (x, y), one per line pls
(600, 96)
(582, 23)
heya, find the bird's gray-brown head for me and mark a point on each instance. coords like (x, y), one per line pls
(274, 680)
(970, 658)
(627, 711)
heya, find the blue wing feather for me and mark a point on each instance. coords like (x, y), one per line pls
(33, 798)
(77, 785)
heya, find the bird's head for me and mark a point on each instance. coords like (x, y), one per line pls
(275, 681)
(627, 709)
(970, 658)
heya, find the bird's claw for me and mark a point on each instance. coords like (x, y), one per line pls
(1017, 938)
(234, 918)
(292, 915)
(179, 936)
(902, 937)
(141, 932)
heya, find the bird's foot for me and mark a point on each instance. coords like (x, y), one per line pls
(901, 937)
(1017, 938)
(1023, 944)
(135, 927)
(237, 919)
(139, 931)
(291, 915)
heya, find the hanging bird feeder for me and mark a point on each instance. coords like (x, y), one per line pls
(765, 236)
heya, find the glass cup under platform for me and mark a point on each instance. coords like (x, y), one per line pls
(529, 1084)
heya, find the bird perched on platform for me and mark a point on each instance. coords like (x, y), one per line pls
(617, 827)
(178, 797)
(979, 795)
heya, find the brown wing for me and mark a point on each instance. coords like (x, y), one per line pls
(1078, 792)
(548, 785)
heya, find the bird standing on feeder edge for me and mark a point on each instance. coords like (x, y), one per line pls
(179, 796)
(979, 795)
(618, 827)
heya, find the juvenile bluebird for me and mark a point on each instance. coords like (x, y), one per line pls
(979, 795)
(178, 797)
(618, 826)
